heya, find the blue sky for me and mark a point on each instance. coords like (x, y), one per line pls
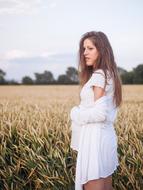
(38, 35)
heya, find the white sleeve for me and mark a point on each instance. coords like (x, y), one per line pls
(75, 135)
(98, 78)
(97, 113)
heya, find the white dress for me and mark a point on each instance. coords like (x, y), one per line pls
(96, 142)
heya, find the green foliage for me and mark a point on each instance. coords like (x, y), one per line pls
(138, 74)
(127, 77)
(133, 77)
(63, 79)
(71, 77)
(72, 74)
(27, 80)
(2, 74)
(44, 78)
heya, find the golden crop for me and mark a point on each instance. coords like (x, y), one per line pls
(35, 137)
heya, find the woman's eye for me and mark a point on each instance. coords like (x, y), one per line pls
(88, 48)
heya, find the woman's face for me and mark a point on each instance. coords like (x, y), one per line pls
(90, 52)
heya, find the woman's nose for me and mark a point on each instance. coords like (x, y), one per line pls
(85, 52)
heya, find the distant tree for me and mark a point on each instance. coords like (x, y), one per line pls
(127, 77)
(27, 80)
(138, 74)
(2, 74)
(63, 79)
(121, 70)
(12, 82)
(72, 74)
(44, 78)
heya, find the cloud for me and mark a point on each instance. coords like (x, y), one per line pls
(16, 54)
(13, 54)
(53, 5)
(24, 6)
(18, 63)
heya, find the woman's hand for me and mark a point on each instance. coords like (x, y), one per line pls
(74, 112)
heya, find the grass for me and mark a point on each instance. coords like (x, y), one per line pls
(35, 137)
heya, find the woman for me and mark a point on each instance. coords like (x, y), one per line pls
(93, 133)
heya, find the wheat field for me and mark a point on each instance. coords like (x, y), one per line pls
(35, 134)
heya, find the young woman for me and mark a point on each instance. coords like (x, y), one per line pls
(93, 133)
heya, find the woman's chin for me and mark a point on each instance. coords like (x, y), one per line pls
(89, 64)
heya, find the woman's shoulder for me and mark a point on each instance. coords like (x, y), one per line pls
(98, 74)
(102, 73)
(98, 77)
(99, 71)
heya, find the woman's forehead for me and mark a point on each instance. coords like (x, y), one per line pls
(88, 42)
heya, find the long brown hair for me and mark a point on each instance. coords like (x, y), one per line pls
(105, 61)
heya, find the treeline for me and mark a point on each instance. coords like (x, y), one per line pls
(71, 77)
(132, 77)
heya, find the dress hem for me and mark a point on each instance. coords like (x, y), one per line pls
(101, 176)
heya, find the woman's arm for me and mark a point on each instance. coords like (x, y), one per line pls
(98, 92)
(97, 113)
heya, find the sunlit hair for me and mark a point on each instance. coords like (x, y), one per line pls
(105, 61)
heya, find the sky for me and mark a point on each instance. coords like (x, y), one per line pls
(39, 35)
